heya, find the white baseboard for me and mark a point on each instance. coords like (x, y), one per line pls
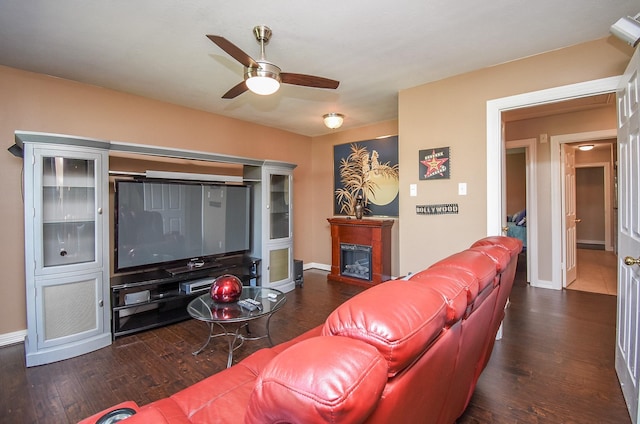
(544, 284)
(601, 242)
(7, 339)
(322, 267)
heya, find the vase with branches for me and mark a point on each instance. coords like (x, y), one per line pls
(357, 174)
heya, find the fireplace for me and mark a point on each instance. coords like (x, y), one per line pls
(355, 261)
(360, 250)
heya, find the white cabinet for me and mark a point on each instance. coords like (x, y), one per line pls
(273, 223)
(66, 250)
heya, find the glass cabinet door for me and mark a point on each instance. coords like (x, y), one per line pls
(69, 210)
(279, 204)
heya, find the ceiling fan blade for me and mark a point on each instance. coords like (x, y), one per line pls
(308, 80)
(236, 90)
(233, 51)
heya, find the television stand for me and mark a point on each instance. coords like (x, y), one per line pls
(194, 266)
(145, 300)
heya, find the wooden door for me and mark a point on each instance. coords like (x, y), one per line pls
(629, 235)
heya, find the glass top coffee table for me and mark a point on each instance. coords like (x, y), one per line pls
(230, 318)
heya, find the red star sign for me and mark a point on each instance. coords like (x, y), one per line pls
(433, 164)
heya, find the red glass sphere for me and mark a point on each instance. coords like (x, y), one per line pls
(226, 288)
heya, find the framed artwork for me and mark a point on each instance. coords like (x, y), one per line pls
(368, 169)
(434, 164)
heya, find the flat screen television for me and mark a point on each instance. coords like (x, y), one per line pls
(176, 225)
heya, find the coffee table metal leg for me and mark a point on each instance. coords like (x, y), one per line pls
(206, 343)
(268, 330)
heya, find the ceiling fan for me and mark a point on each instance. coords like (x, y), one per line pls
(262, 76)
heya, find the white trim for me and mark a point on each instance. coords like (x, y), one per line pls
(315, 265)
(557, 205)
(598, 242)
(7, 339)
(531, 157)
(495, 145)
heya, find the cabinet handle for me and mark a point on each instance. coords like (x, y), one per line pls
(99, 211)
(63, 252)
(101, 303)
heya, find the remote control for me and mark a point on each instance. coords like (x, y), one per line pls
(247, 305)
(253, 301)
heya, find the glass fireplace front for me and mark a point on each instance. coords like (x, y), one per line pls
(355, 261)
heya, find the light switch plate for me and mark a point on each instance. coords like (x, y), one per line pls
(413, 190)
(462, 189)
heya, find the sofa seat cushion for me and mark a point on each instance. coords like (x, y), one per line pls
(221, 397)
(325, 379)
(400, 318)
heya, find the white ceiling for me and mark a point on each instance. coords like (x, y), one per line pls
(158, 48)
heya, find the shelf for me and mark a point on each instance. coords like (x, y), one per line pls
(168, 304)
(150, 319)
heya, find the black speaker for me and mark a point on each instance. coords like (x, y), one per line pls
(297, 272)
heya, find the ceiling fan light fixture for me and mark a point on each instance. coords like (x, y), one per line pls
(263, 85)
(264, 80)
(333, 120)
(586, 147)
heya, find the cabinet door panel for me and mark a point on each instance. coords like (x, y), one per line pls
(67, 209)
(279, 201)
(70, 309)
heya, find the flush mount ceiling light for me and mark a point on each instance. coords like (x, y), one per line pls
(586, 147)
(627, 29)
(333, 120)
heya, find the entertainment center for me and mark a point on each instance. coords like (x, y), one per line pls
(173, 234)
(142, 301)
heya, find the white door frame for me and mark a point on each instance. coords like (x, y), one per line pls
(531, 159)
(495, 148)
(557, 205)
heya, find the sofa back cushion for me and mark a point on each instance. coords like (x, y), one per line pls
(456, 289)
(399, 318)
(512, 244)
(319, 380)
(499, 255)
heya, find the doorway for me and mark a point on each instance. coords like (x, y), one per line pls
(549, 252)
(560, 146)
(596, 260)
(521, 199)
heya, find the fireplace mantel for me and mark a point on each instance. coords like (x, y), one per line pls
(375, 233)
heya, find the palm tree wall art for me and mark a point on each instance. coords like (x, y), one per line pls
(369, 170)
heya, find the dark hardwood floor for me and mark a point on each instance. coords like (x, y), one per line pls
(555, 363)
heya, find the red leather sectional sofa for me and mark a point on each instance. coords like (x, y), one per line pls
(407, 351)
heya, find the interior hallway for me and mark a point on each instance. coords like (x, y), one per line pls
(597, 272)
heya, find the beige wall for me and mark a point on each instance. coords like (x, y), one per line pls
(36, 102)
(516, 181)
(590, 205)
(322, 148)
(452, 112)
